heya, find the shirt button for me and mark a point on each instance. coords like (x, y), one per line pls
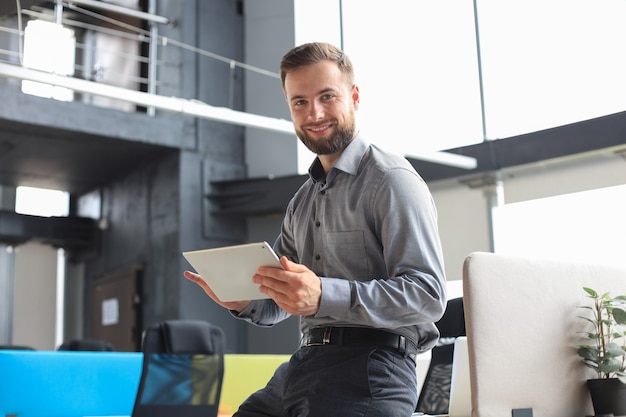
(323, 192)
(317, 224)
(317, 257)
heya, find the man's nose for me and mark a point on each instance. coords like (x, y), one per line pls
(316, 112)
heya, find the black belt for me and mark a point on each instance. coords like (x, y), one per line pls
(347, 336)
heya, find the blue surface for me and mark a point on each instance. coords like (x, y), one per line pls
(68, 384)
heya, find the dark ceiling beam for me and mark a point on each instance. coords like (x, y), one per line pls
(257, 197)
(71, 233)
(576, 138)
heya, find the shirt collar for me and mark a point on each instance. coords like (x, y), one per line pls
(348, 161)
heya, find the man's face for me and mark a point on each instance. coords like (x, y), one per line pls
(322, 107)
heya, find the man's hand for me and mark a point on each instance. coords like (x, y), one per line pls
(238, 306)
(296, 289)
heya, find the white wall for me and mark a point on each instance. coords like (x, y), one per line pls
(463, 224)
(35, 296)
(567, 175)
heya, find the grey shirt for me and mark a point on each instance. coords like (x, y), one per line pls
(368, 229)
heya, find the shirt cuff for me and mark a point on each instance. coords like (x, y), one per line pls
(251, 313)
(336, 298)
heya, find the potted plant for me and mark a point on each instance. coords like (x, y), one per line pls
(606, 352)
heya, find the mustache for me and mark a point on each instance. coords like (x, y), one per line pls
(318, 124)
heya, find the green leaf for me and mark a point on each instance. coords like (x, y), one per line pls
(607, 322)
(591, 292)
(589, 353)
(591, 365)
(620, 299)
(592, 321)
(610, 366)
(614, 350)
(619, 315)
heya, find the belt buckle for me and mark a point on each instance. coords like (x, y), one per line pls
(325, 338)
(402, 344)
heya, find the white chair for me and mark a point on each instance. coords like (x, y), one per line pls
(522, 323)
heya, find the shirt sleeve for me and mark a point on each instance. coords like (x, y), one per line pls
(263, 313)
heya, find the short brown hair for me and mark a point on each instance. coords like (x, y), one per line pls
(313, 53)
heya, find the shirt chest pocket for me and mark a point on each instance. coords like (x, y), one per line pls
(346, 256)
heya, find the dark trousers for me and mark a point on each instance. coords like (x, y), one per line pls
(338, 381)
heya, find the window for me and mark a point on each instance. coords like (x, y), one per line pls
(41, 202)
(545, 63)
(587, 226)
(48, 47)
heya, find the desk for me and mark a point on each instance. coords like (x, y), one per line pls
(77, 384)
(245, 374)
(68, 383)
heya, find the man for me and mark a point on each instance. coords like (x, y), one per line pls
(361, 256)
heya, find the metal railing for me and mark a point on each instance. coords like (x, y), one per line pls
(89, 25)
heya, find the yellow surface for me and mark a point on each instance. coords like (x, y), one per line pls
(243, 375)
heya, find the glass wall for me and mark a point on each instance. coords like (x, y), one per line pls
(548, 63)
(586, 227)
(543, 63)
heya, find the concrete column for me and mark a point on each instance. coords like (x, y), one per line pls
(270, 32)
(493, 190)
(7, 273)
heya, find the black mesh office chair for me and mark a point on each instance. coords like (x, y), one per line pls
(89, 345)
(183, 369)
(15, 347)
(434, 396)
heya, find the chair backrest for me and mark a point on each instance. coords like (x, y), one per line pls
(434, 396)
(16, 347)
(87, 345)
(523, 329)
(182, 371)
(452, 323)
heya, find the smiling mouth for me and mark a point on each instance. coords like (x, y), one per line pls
(319, 128)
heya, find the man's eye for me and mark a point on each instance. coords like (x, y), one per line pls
(298, 102)
(328, 97)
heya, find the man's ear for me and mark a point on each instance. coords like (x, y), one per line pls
(355, 96)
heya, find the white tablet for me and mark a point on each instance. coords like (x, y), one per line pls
(228, 270)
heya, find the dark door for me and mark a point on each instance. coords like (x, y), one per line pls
(116, 308)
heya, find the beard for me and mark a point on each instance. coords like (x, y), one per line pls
(334, 143)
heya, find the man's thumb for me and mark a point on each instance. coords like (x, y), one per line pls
(287, 264)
